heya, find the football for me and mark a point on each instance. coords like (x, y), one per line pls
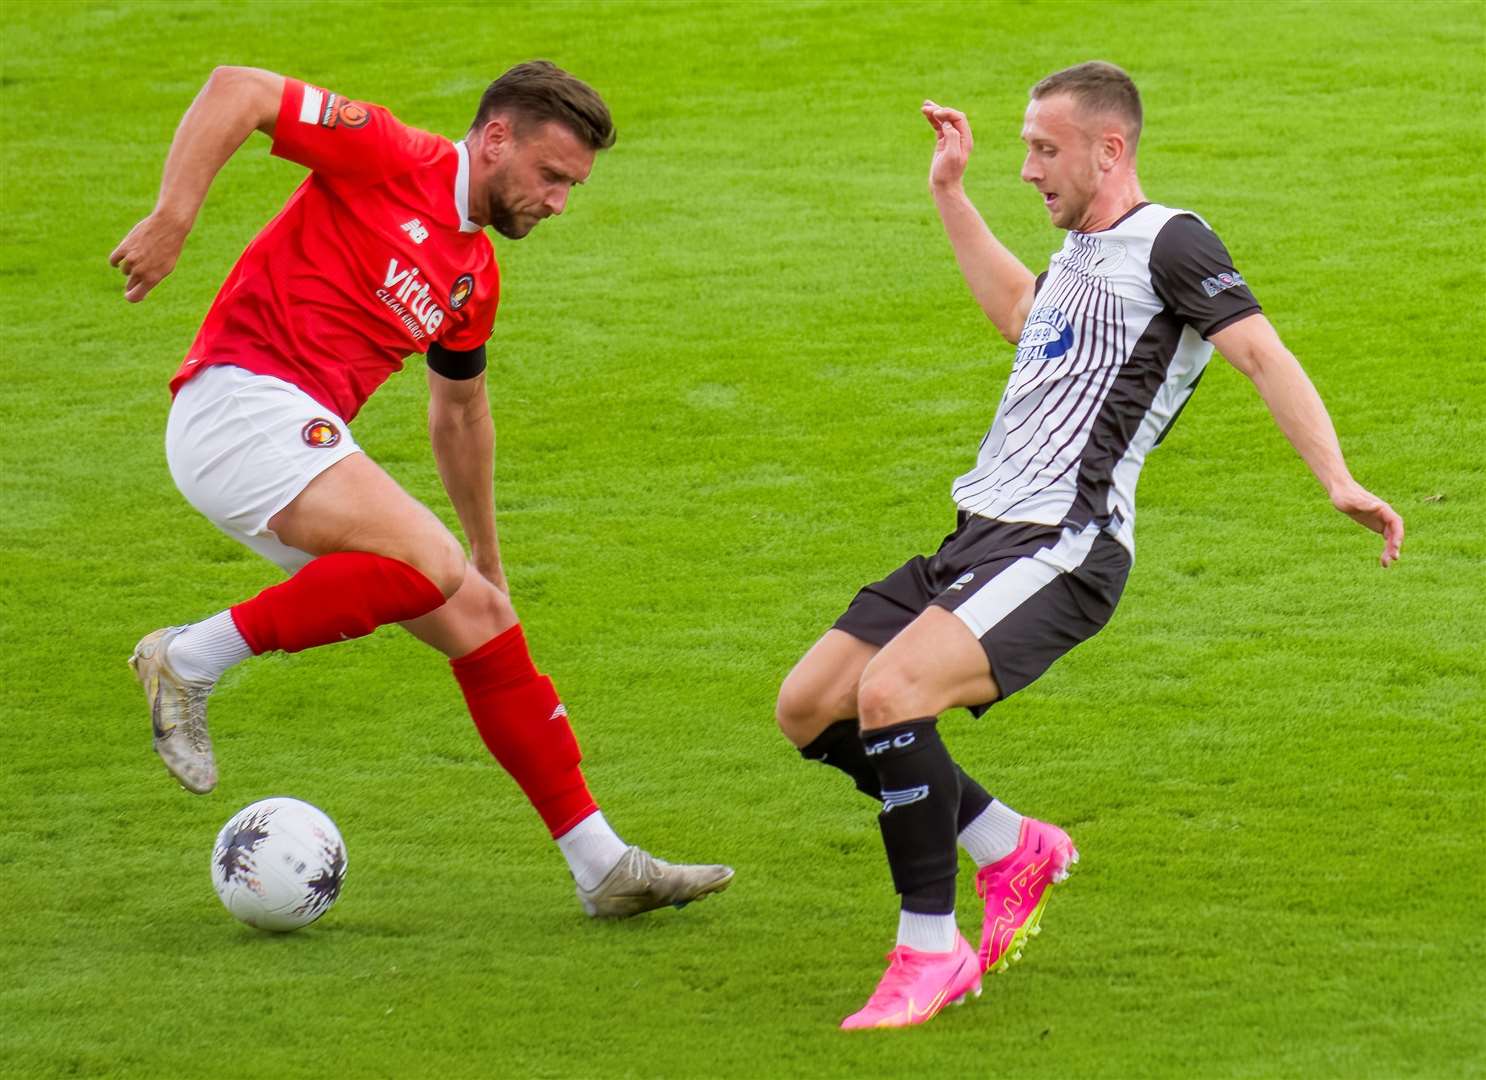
(279, 864)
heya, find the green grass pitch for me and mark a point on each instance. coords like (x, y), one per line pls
(731, 384)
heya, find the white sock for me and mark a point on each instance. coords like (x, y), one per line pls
(591, 848)
(993, 834)
(203, 651)
(927, 933)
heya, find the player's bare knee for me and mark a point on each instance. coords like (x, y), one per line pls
(798, 712)
(441, 560)
(886, 696)
(495, 607)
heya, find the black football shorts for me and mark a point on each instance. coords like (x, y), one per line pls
(1029, 592)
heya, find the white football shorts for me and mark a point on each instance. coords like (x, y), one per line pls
(242, 446)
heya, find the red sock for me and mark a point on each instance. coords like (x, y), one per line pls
(336, 597)
(525, 725)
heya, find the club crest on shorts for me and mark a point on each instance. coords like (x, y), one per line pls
(320, 433)
(464, 284)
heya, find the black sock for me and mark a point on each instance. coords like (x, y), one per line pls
(973, 800)
(920, 800)
(840, 746)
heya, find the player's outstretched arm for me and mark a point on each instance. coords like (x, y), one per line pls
(1001, 285)
(233, 104)
(1253, 346)
(462, 434)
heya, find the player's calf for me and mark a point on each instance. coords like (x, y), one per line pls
(335, 597)
(525, 726)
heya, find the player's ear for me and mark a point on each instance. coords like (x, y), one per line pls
(1111, 150)
(494, 137)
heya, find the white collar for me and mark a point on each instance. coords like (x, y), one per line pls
(462, 189)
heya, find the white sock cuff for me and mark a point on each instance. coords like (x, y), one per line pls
(203, 651)
(592, 848)
(927, 933)
(993, 834)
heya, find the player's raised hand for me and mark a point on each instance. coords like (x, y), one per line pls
(148, 254)
(952, 145)
(1365, 508)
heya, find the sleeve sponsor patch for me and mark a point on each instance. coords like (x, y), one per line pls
(1214, 285)
(325, 109)
(1193, 275)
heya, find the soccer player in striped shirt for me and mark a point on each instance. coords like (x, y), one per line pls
(380, 253)
(1110, 343)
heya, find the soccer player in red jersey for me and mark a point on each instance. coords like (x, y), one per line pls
(380, 253)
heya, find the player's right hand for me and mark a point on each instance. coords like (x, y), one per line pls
(1371, 512)
(147, 255)
(952, 145)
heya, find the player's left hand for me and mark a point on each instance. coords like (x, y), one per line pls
(952, 145)
(491, 570)
(148, 254)
(1365, 508)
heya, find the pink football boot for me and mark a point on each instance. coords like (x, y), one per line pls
(917, 985)
(1016, 890)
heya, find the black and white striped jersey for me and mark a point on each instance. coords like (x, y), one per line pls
(1111, 351)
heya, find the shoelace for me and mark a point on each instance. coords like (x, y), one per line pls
(902, 968)
(985, 882)
(194, 722)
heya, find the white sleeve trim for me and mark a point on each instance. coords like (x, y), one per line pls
(309, 108)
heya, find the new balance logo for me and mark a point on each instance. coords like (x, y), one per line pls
(904, 797)
(416, 230)
(897, 742)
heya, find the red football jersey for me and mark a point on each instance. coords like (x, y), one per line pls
(371, 259)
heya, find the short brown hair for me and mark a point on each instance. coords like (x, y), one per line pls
(1098, 87)
(538, 91)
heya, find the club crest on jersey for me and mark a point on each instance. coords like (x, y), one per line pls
(1109, 256)
(1047, 336)
(352, 114)
(464, 284)
(320, 433)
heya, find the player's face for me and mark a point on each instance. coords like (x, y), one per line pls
(1062, 158)
(534, 170)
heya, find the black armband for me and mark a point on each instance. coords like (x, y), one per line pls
(456, 363)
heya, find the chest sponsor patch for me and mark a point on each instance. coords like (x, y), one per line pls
(1047, 336)
(407, 294)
